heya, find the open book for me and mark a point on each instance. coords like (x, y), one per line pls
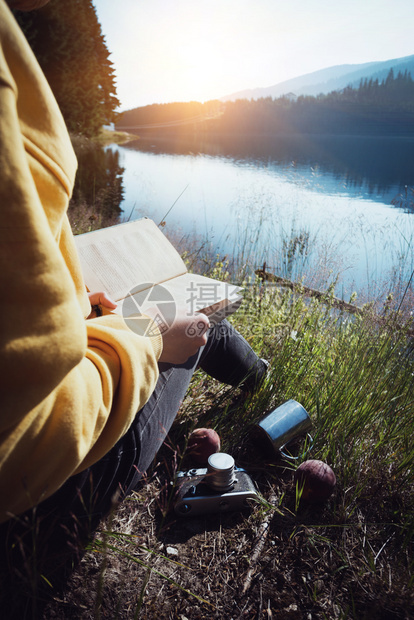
(139, 268)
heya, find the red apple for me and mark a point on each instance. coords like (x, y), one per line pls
(202, 443)
(317, 480)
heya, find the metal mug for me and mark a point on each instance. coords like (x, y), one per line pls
(282, 425)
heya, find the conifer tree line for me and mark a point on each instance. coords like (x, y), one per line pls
(373, 108)
(395, 89)
(67, 40)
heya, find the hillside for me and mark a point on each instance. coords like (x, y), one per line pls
(375, 107)
(327, 80)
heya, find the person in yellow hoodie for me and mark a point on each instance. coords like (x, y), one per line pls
(70, 384)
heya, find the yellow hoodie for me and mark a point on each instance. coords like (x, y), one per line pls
(69, 388)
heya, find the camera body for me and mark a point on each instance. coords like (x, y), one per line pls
(197, 494)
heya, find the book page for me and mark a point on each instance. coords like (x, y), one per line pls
(191, 291)
(128, 256)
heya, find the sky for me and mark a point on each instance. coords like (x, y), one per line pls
(197, 50)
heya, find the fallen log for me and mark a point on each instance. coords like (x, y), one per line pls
(340, 304)
(392, 321)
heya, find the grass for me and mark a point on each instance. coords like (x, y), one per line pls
(351, 557)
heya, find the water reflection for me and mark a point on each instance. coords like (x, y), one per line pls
(99, 188)
(375, 165)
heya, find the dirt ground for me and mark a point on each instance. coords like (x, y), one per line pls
(264, 563)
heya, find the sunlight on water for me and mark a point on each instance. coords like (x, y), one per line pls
(252, 204)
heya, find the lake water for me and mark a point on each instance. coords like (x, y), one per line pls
(316, 205)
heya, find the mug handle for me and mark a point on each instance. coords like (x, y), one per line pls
(295, 458)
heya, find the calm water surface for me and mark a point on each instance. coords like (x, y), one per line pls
(250, 197)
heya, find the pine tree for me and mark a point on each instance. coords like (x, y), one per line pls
(67, 40)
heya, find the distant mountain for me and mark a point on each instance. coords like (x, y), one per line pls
(327, 80)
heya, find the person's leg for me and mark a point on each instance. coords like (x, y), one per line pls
(229, 358)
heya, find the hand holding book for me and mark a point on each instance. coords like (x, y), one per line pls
(100, 298)
(130, 259)
(184, 337)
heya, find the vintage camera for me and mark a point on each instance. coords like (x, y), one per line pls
(220, 487)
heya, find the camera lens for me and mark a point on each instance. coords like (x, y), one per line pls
(220, 472)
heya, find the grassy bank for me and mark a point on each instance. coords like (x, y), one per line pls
(350, 557)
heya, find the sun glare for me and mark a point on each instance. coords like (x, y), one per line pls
(186, 50)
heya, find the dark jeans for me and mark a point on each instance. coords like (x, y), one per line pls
(80, 503)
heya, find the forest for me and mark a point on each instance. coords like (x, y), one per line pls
(67, 40)
(374, 108)
(169, 114)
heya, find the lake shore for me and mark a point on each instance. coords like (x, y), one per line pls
(104, 138)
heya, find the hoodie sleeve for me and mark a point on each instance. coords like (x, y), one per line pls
(69, 388)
